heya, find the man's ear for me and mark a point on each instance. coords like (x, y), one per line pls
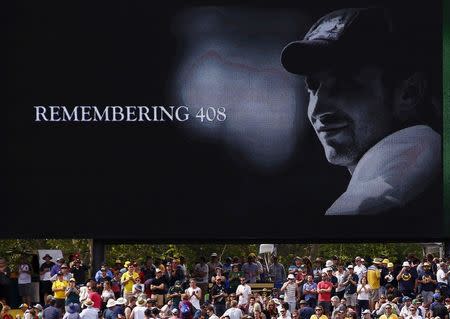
(409, 96)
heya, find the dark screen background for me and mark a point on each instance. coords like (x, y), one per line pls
(155, 180)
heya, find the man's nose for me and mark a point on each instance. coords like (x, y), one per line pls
(321, 103)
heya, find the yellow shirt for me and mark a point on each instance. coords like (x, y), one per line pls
(321, 317)
(58, 284)
(373, 277)
(392, 316)
(128, 287)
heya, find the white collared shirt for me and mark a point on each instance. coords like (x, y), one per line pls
(392, 173)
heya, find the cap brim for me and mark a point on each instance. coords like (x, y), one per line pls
(307, 56)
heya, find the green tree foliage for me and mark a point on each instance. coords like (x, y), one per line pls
(12, 249)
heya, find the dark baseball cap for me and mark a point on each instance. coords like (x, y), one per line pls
(342, 37)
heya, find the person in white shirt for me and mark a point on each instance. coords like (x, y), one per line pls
(290, 288)
(442, 275)
(210, 312)
(194, 293)
(243, 291)
(405, 312)
(24, 280)
(413, 313)
(89, 312)
(359, 267)
(138, 311)
(233, 312)
(284, 314)
(370, 115)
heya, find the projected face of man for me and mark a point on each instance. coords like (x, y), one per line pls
(350, 112)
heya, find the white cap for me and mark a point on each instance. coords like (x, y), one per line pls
(406, 264)
(291, 276)
(329, 263)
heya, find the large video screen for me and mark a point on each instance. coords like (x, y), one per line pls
(226, 120)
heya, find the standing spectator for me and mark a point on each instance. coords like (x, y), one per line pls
(317, 270)
(310, 291)
(115, 284)
(363, 295)
(324, 293)
(213, 263)
(350, 284)
(194, 295)
(59, 290)
(243, 292)
(340, 274)
(127, 280)
(217, 273)
(117, 266)
(442, 276)
(201, 275)
(79, 270)
(295, 267)
(24, 280)
(277, 272)
(104, 273)
(175, 293)
(94, 296)
(45, 286)
(261, 276)
(384, 272)
(407, 280)
(234, 278)
(218, 296)
(104, 276)
(138, 288)
(374, 281)
(168, 274)
(89, 312)
(72, 294)
(107, 294)
(65, 271)
(359, 268)
(391, 277)
(149, 270)
(333, 279)
(251, 269)
(427, 282)
(290, 288)
(158, 287)
(57, 267)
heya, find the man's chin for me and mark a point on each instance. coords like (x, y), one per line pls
(339, 158)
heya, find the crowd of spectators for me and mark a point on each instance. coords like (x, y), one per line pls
(307, 289)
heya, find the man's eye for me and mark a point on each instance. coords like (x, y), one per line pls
(311, 83)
